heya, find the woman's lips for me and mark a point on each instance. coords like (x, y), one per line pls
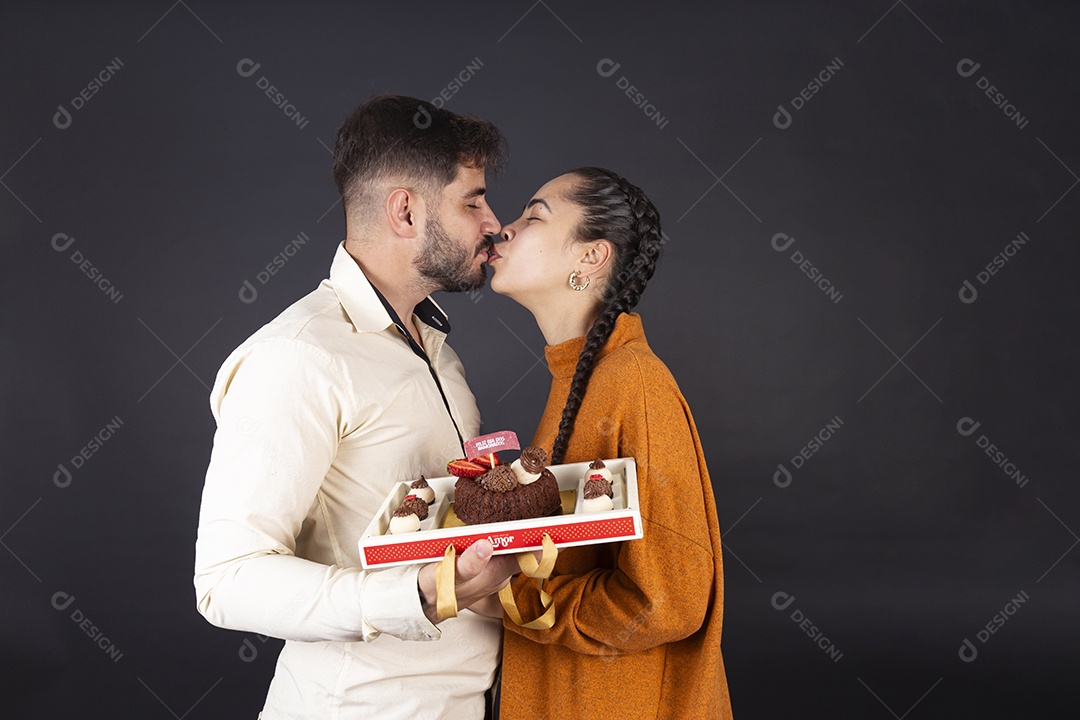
(493, 254)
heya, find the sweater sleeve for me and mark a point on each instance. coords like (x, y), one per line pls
(660, 587)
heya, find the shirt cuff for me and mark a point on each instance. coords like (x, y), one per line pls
(390, 600)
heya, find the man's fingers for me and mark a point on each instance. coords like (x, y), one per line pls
(498, 572)
(494, 578)
(504, 565)
(473, 561)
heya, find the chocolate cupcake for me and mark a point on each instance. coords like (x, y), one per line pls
(422, 490)
(474, 504)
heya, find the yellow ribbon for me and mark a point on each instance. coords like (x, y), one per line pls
(446, 594)
(445, 580)
(539, 571)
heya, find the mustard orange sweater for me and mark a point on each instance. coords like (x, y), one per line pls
(637, 631)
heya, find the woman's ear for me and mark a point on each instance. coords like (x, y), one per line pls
(595, 256)
(401, 212)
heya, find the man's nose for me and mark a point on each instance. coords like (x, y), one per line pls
(491, 224)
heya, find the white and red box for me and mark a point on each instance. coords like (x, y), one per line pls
(380, 549)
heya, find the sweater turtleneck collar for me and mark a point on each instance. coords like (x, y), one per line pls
(562, 358)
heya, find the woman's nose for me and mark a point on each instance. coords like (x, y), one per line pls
(508, 233)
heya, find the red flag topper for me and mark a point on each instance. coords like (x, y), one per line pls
(495, 442)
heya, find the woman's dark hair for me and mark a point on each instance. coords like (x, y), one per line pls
(395, 136)
(618, 211)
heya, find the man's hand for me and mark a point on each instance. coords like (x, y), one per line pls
(490, 606)
(477, 576)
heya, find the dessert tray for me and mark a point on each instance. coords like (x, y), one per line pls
(441, 528)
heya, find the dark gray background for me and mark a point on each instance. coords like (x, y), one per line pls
(899, 180)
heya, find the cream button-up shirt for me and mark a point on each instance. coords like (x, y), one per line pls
(319, 413)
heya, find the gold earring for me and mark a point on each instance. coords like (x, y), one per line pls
(574, 281)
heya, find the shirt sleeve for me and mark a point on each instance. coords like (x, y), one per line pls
(658, 589)
(281, 409)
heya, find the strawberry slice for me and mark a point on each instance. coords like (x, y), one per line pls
(465, 468)
(488, 461)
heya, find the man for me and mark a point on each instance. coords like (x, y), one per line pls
(347, 392)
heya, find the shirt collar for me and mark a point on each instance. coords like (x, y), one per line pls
(364, 305)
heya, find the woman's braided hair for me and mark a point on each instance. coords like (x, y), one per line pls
(618, 211)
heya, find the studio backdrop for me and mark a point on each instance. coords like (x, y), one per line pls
(868, 296)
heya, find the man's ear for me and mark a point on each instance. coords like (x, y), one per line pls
(402, 208)
(595, 256)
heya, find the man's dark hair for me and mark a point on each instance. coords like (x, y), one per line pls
(394, 138)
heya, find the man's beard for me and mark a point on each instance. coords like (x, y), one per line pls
(447, 266)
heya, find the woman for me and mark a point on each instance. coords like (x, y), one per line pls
(637, 630)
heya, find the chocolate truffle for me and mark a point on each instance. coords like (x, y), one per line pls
(415, 505)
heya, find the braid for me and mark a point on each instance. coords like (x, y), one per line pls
(620, 212)
(598, 335)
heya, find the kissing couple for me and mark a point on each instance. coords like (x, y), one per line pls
(353, 388)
